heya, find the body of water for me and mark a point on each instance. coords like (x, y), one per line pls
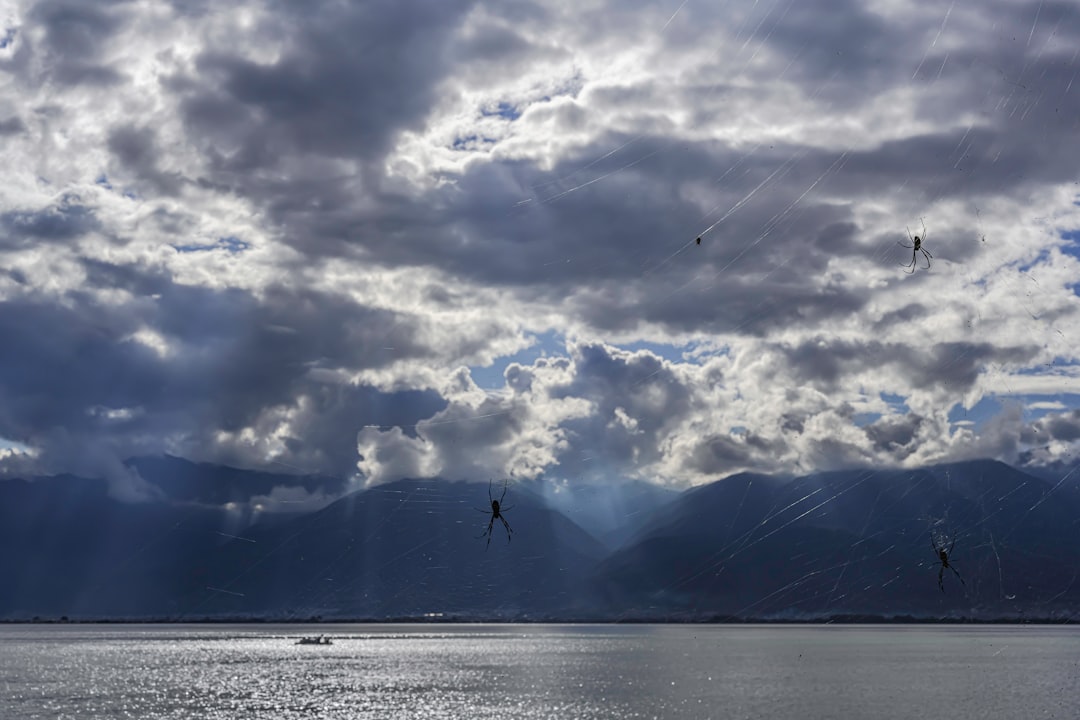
(539, 671)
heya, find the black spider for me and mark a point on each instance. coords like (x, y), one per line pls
(943, 556)
(916, 247)
(496, 513)
(699, 241)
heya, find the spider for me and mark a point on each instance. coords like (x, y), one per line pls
(496, 513)
(943, 556)
(699, 241)
(916, 247)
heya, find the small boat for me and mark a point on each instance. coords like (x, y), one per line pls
(314, 640)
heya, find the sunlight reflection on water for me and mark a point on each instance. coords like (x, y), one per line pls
(531, 671)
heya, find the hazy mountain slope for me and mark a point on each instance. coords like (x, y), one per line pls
(404, 548)
(749, 545)
(69, 549)
(612, 513)
(857, 542)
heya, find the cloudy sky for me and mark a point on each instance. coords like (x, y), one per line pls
(403, 238)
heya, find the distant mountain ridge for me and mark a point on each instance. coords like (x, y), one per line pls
(858, 542)
(750, 546)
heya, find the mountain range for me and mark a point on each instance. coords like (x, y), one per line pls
(854, 543)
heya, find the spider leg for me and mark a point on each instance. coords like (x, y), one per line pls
(507, 526)
(490, 499)
(957, 572)
(933, 543)
(928, 256)
(910, 264)
(506, 484)
(952, 546)
(488, 532)
(504, 509)
(486, 512)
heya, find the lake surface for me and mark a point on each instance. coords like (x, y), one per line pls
(539, 671)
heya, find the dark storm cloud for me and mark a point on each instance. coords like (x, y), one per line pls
(492, 45)
(792, 423)
(350, 80)
(62, 222)
(172, 222)
(843, 41)
(741, 305)
(977, 161)
(1019, 83)
(1065, 427)
(79, 378)
(957, 365)
(599, 409)
(69, 361)
(634, 396)
(136, 150)
(606, 232)
(582, 203)
(1054, 426)
(193, 8)
(612, 236)
(723, 454)
(847, 53)
(18, 276)
(615, 224)
(12, 126)
(640, 383)
(912, 312)
(352, 77)
(833, 453)
(616, 238)
(333, 414)
(77, 73)
(75, 33)
(893, 435)
(135, 279)
(720, 454)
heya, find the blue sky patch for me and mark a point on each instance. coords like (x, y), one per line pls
(896, 402)
(471, 142)
(983, 410)
(504, 110)
(8, 444)
(1072, 248)
(230, 244)
(1040, 258)
(491, 377)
